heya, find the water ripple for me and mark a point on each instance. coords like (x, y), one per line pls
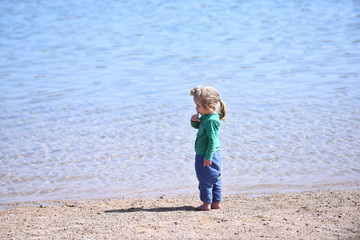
(94, 97)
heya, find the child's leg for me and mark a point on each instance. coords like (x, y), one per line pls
(216, 191)
(207, 176)
(203, 174)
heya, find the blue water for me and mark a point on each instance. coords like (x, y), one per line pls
(94, 95)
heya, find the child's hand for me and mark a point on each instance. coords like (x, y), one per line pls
(195, 118)
(207, 162)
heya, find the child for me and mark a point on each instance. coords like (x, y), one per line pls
(207, 145)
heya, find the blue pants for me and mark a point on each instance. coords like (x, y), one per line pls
(209, 178)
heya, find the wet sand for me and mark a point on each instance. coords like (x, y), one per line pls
(313, 215)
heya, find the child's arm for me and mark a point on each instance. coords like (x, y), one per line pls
(212, 130)
(195, 121)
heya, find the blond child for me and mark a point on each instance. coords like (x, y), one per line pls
(207, 145)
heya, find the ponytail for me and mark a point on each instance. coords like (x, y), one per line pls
(222, 110)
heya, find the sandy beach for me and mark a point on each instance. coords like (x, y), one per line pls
(313, 215)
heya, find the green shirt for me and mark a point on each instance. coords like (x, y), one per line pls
(207, 138)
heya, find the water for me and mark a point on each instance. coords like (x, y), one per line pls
(94, 95)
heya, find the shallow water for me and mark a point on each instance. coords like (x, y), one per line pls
(94, 95)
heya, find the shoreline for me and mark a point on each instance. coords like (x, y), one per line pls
(250, 191)
(308, 215)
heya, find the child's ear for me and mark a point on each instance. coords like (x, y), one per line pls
(211, 106)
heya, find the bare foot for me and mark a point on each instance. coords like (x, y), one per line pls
(216, 205)
(204, 207)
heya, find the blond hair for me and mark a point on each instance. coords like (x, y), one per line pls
(207, 96)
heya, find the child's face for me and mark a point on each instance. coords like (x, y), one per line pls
(201, 109)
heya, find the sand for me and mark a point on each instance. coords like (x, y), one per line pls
(313, 215)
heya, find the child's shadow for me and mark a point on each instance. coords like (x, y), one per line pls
(159, 209)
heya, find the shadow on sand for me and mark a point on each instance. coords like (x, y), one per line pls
(159, 209)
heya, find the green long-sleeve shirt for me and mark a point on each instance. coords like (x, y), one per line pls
(207, 138)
